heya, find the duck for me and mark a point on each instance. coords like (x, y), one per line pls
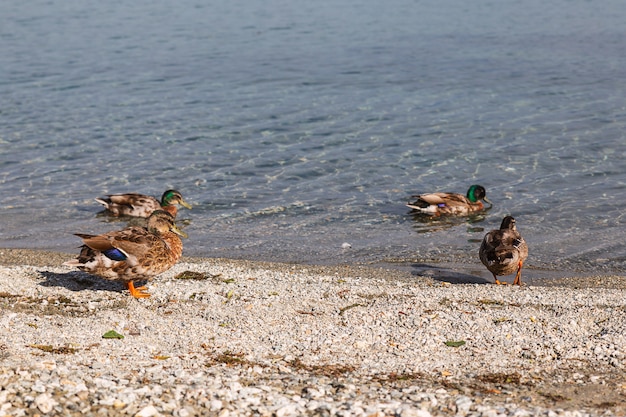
(140, 205)
(504, 251)
(437, 204)
(132, 254)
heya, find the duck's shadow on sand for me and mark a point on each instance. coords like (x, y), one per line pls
(446, 274)
(79, 281)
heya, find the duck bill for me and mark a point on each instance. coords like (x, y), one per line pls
(486, 200)
(185, 204)
(179, 232)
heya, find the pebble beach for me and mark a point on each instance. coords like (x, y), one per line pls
(229, 337)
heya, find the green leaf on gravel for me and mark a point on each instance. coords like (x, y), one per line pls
(112, 334)
(456, 343)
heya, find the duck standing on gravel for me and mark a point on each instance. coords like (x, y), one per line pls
(504, 251)
(437, 204)
(134, 253)
(140, 205)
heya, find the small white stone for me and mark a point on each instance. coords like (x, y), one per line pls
(346, 245)
(413, 412)
(216, 405)
(147, 411)
(45, 403)
(287, 410)
(463, 405)
(107, 401)
(39, 387)
(360, 344)
(314, 393)
(183, 412)
(48, 364)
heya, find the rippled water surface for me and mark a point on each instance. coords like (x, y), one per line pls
(294, 127)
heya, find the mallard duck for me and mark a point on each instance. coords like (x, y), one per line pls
(139, 205)
(134, 253)
(437, 204)
(504, 251)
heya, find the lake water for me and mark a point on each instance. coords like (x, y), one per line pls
(294, 127)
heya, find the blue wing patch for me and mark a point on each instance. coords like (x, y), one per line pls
(115, 254)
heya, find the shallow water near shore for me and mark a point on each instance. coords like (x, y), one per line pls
(297, 128)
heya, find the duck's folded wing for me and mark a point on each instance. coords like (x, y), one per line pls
(491, 241)
(96, 242)
(131, 199)
(446, 199)
(136, 245)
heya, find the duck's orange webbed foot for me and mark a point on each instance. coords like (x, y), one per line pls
(498, 282)
(139, 292)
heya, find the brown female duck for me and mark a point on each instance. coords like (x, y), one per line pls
(134, 253)
(504, 251)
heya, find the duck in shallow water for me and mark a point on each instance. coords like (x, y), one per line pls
(437, 204)
(140, 205)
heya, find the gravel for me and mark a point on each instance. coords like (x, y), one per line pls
(222, 337)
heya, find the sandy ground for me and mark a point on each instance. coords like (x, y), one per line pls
(558, 344)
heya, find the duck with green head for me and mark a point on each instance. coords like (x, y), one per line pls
(436, 204)
(134, 253)
(140, 205)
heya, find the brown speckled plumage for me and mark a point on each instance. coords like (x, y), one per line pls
(134, 253)
(503, 251)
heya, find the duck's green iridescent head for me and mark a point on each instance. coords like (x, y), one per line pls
(477, 193)
(171, 197)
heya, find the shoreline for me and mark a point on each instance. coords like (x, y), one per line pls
(246, 337)
(437, 271)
